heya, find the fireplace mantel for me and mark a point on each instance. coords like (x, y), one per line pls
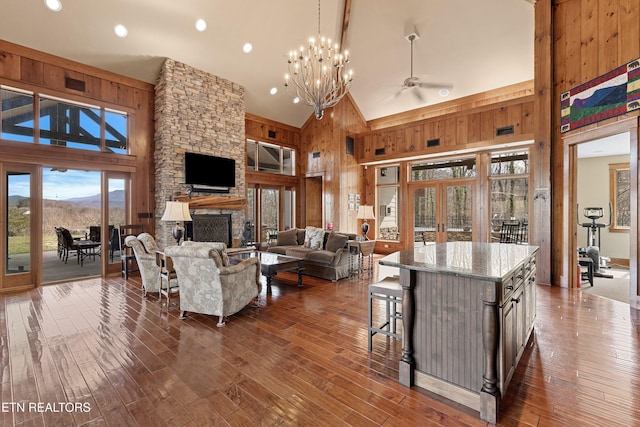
(214, 202)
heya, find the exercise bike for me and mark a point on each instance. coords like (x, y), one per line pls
(592, 249)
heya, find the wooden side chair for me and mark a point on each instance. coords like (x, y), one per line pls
(510, 232)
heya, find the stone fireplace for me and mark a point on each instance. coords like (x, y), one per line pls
(200, 113)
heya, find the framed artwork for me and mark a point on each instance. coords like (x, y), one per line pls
(609, 95)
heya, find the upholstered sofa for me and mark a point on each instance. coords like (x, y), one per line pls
(208, 284)
(325, 252)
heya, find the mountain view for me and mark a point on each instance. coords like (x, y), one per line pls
(76, 214)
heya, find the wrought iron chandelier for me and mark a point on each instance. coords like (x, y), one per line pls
(319, 74)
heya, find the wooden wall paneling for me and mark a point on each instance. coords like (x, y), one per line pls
(9, 65)
(608, 31)
(462, 129)
(501, 118)
(588, 39)
(93, 87)
(474, 127)
(124, 95)
(429, 132)
(527, 123)
(573, 66)
(487, 125)
(447, 128)
(514, 118)
(31, 71)
(629, 39)
(541, 222)
(109, 91)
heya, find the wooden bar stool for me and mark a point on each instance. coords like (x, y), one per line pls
(389, 291)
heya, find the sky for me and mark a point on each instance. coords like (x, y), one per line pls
(62, 185)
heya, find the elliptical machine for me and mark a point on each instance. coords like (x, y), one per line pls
(593, 239)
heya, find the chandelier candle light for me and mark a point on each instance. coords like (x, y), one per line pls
(319, 73)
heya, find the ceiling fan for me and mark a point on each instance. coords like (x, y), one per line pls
(413, 82)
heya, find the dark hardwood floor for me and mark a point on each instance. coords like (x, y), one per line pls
(95, 352)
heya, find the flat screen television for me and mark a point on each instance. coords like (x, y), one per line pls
(209, 171)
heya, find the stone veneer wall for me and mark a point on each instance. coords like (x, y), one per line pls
(201, 113)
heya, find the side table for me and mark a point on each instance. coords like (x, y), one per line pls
(358, 251)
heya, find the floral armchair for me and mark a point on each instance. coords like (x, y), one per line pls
(208, 284)
(144, 248)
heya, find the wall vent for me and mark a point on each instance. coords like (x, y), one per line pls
(507, 130)
(74, 84)
(433, 142)
(380, 151)
(315, 155)
(272, 134)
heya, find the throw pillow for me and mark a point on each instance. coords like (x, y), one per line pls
(149, 243)
(313, 237)
(288, 237)
(336, 241)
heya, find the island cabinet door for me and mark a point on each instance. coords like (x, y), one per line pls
(511, 337)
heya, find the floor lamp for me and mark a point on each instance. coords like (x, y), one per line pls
(365, 213)
(177, 211)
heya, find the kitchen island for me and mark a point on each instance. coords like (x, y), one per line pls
(468, 310)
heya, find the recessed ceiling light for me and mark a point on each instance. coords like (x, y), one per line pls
(120, 30)
(444, 92)
(201, 25)
(54, 5)
(247, 47)
(273, 90)
(296, 100)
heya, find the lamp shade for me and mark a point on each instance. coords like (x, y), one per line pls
(176, 211)
(365, 212)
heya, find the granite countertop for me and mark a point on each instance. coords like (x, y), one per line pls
(486, 261)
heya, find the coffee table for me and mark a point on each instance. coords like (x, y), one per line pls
(271, 263)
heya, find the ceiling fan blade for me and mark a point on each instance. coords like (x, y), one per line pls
(416, 92)
(435, 86)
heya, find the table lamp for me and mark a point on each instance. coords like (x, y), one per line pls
(177, 211)
(365, 213)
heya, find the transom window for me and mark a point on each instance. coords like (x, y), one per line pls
(444, 169)
(270, 158)
(62, 123)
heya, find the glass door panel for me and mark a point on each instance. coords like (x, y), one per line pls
(72, 207)
(18, 217)
(424, 211)
(116, 216)
(443, 213)
(270, 208)
(459, 203)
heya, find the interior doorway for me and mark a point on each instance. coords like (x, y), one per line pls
(313, 201)
(603, 215)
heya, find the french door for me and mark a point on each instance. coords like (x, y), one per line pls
(19, 216)
(443, 212)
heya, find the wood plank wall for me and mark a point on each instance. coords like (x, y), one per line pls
(589, 39)
(340, 171)
(28, 69)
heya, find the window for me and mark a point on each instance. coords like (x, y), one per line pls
(447, 169)
(270, 158)
(509, 183)
(388, 203)
(16, 115)
(619, 193)
(62, 123)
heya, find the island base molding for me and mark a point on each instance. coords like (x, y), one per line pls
(453, 392)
